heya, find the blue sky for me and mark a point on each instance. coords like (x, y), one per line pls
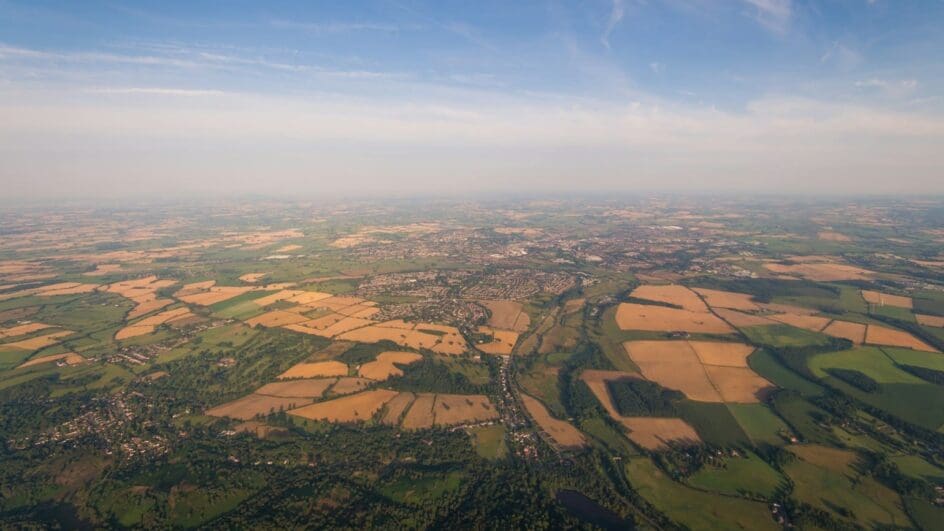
(455, 97)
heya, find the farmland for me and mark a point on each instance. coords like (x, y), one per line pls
(385, 366)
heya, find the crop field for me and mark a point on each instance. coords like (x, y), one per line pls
(930, 320)
(349, 384)
(420, 415)
(671, 294)
(760, 424)
(727, 299)
(694, 508)
(489, 441)
(631, 316)
(502, 341)
(253, 405)
(881, 335)
(812, 323)
(507, 315)
(654, 433)
(396, 407)
(739, 319)
(677, 365)
(854, 332)
(883, 299)
(385, 365)
(38, 342)
(22, 330)
(318, 368)
(352, 408)
(562, 432)
(69, 358)
(822, 271)
(308, 388)
(462, 409)
(276, 318)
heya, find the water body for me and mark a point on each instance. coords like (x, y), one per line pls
(591, 512)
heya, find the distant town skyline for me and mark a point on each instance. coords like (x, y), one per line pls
(174, 99)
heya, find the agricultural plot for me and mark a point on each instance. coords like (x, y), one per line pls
(882, 335)
(704, 371)
(385, 366)
(854, 332)
(930, 320)
(739, 476)
(315, 369)
(507, 315)
(438, 338)
(727, 299)
(812, 323)
(276, 318)
(349, 384)
(253, 405)
(631, 316)
(501, 341)
(352, 408)
(826, 479)
(396, 407)
(38, 342)
(562, 432)
(420, 415)
(304, 388)
(821, 271)
(22, 330)
(883, 299)
(149, 324)
(449, 410)
(740, 320)
(69, 358)
(693, 508)
(760, 424)
(672, 294)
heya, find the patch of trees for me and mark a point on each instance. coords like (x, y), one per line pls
(926, 374)
(431, 376)
(360, 353)
(633, 397)
(888, 473)
(854, 378)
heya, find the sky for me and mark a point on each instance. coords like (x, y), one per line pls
(163, 99)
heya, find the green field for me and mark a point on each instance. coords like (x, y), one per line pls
(489, 441)
(833, 485)
(416, 487)
(693, 508)
(782, 335)
(759, 423)
(764, 364)
(870, 361)
(744, 476)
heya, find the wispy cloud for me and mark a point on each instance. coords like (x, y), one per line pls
(617, 12)
(893, 88)
(158, 91)
(775, 15)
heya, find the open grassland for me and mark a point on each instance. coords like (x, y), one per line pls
(562, 432)
(760, 424)
(253, 405)
(489, 441)
(693, 508)
(826, 479)
(783, 336)
(737, 476)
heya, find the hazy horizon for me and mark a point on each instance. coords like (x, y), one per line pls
(171, 100)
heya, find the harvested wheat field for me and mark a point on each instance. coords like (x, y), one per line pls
(738, 384)
(727, 299)
(214, 295)
(738, 319)
(396, 407)
(420, 414)
(39, 342)
(450, 410)
(812, 323)
(683, 365)
(675, 365)
(722, 353)
(276, 318)
(507, 315)
(310, 298)
(503, 341)
(384, 366)
(631, 316)
(133, 331)
(353, 408)
(574, 305)
(66, 288)
(312, 369)
(930, 320)
(69, 358)
(854, 332)
(883, 299)
(671, 294)
(23, 329)
(349, 384)
(821, 272)
(831, 236)
(346, 324)
(450, 342)
(880, 335)
(563, 433)
(654, 433)
(252, 278)
(273, 298)
(253, 405)
(149, 324)
(308, 388)
(147, 307)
